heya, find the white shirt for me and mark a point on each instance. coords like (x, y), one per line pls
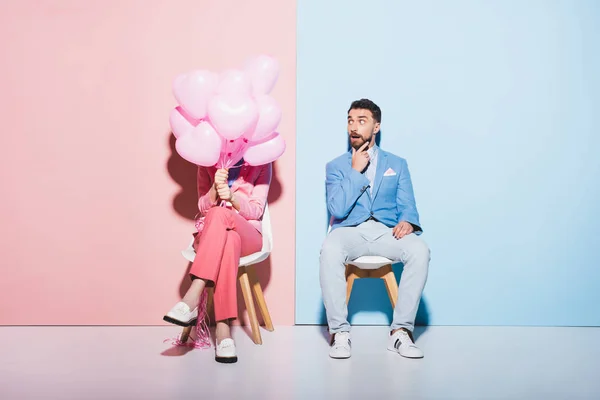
(372, 168)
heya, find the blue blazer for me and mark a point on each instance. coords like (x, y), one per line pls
(350, 202)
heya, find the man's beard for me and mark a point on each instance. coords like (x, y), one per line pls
(357, 144)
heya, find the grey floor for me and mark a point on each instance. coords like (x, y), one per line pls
(460, 363)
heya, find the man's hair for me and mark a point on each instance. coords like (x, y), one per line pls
(366, 104)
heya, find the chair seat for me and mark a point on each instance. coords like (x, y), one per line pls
(254, 258)
(251, 259)
(267, 244)
(370, 262)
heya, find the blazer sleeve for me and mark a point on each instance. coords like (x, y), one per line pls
(405, 199)
(343, 186)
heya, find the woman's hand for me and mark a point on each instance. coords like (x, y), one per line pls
(224, 192)
(221, 177)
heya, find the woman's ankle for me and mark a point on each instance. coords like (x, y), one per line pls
(222, 331)
(191, 302)
(192, 296)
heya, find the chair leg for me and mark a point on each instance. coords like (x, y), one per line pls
(351, 275)
(260, 298)
(391, 285)
(247, 292)
(186, 334)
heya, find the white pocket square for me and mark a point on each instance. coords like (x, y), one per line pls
(389, 172)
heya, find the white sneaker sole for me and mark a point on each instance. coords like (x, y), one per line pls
(340, 356)
(393, 349)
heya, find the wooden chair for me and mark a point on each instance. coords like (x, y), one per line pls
(372, 267)
(248, 281)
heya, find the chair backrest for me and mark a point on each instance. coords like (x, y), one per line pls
(267, 230)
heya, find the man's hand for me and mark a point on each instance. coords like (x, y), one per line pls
(402, 229)
(224, 192)
(360, 158)
(221, 177)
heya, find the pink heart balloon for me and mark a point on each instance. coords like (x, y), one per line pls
(194, 90)
(263, 72)
(233, 115)
(266, 152)
(181, 122)
(201, 146)
(269, 117)
(234, 81)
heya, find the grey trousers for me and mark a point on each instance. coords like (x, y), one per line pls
(372, 238)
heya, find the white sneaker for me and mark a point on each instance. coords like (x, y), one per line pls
(340, 348)
(402, 343)
(181, 315)
(225, 352)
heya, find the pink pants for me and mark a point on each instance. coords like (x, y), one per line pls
(225, 238)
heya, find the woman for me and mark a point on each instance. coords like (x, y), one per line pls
(231, 204)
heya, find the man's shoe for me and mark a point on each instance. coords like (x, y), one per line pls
(340, 346)
(403, 343)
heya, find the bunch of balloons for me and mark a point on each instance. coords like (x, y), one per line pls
(223, 118)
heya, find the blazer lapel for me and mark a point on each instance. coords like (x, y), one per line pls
(382, 165)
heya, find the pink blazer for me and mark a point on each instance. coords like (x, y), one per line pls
(251, 189)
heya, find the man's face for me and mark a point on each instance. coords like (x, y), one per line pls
(361, 127)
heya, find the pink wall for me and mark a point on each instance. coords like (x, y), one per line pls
(95, 204)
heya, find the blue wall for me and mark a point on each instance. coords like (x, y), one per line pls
(495, 106)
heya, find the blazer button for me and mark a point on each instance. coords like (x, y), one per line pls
(364, 188)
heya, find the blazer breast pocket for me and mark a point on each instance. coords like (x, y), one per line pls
(390, 180)
(389, 188)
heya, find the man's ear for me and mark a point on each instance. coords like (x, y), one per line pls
(376, 128)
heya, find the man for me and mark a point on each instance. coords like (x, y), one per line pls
(371, 200)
